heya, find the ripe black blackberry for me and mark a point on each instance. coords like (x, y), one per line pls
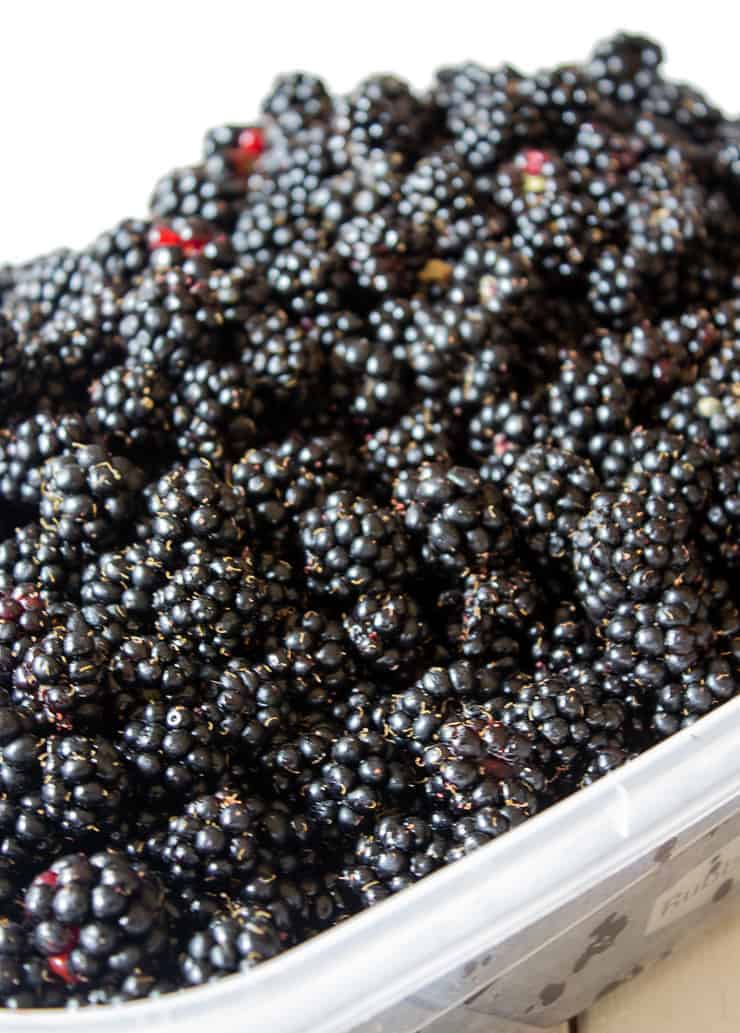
(303, 903)
(625, 67)
(306, 279)
(212, 602)
(231, 942)
(399, 850)
(283, 358)
(191, 506)
(38, 557)
(313, 652)
(84, 783)
(202, 192)
(26, 447)
(23, 620)
(494, 275)
(383, 252)
(61, 677)
(24, 981)
(721, 523)
(665, 464)
(120, 253)
(20, 748)
(549, 490)
(366, 379)
(282, 480)
(246, 703)
(479, 107)
(168, 319)
(489, 609)
(147, 669)
(124, 581)
(213, 411)
(388, 630)
(423, 434)
(172, 750)
(88, 495)
(210, 843)
(480, 771)
(351, 544)
(129, 406)
(566, 642)
(380, 114)
(648, 359)
(629, 547)
(97, 919)
(459, 521)
(362, 774)
(709, 411)
(502, 427)
(589, 406)
(438, 190)
(615, 287)
(297, 100)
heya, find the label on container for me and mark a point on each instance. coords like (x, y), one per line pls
(711, 880)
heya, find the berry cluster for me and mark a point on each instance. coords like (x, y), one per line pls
(377, 491)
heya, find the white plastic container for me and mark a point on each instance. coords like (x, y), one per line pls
(522, 934)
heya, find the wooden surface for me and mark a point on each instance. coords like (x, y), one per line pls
(697, 990)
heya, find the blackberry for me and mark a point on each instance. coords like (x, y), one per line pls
(313, 652)
(412, 718)
(62, 675)
(694, 693)
(168, 319)
(212, 602)
(398, 851)
(549, 490)
(481, 781)
(88, 495)
(129, 407)
(20, 749)
(202, 192)
(38, 557)
(361, 775)
(27, 836)
(191, 506)
(97, 919)
(297, 100)
(231, 942)
(213, 412)
(24, 982)
(502, 427)
(350, 544)
(479, 107)
(246, 703)
(84, 783)
(11, 383)
(121, 253)
(647, 359)
(172, 750)
(665, 464)
(719, 530)
(423, 434)
(489, 609)
(146, 668)
(282, 480)
(629, 547)
(458, 520)
(438, 190)
(366, 379)
(301, 905)
(589, 406)
(67, 349)
(708, 411)
(615, 285)
(494, 275)
(23, 620)
(689, 109)
(625, 67)
(388, 630)
(383, 252)
(282, 358)
(124, 581)
(381, 113)
(209, 843)
(25, 448)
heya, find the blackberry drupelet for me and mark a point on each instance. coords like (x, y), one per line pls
(459, 521)
(350, 544)
(97, 919)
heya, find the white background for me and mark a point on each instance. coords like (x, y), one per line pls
(99, 98)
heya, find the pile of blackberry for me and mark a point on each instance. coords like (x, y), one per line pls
(371, 495)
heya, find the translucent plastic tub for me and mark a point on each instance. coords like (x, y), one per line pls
(522, 934)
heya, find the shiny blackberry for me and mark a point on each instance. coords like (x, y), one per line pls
(124, 581)
(88, 495)
(381, 113)
(24, 619)
(625, 67)
(458, 521)
(84, 783)
(214, 411)
(490, 608)
(146, 668)
(26, 447)
(208, 192)
(423, 434)
(502, 427)
(708, 411)
(229, 943)
(719, 530)
(549, 490)
(388, 630)
(20, 749)
(129, 406)
(382, 252)
(38, 557)
(350, 544)
(667, 465)
(313, 651)
(283, 358)
(97, 919)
